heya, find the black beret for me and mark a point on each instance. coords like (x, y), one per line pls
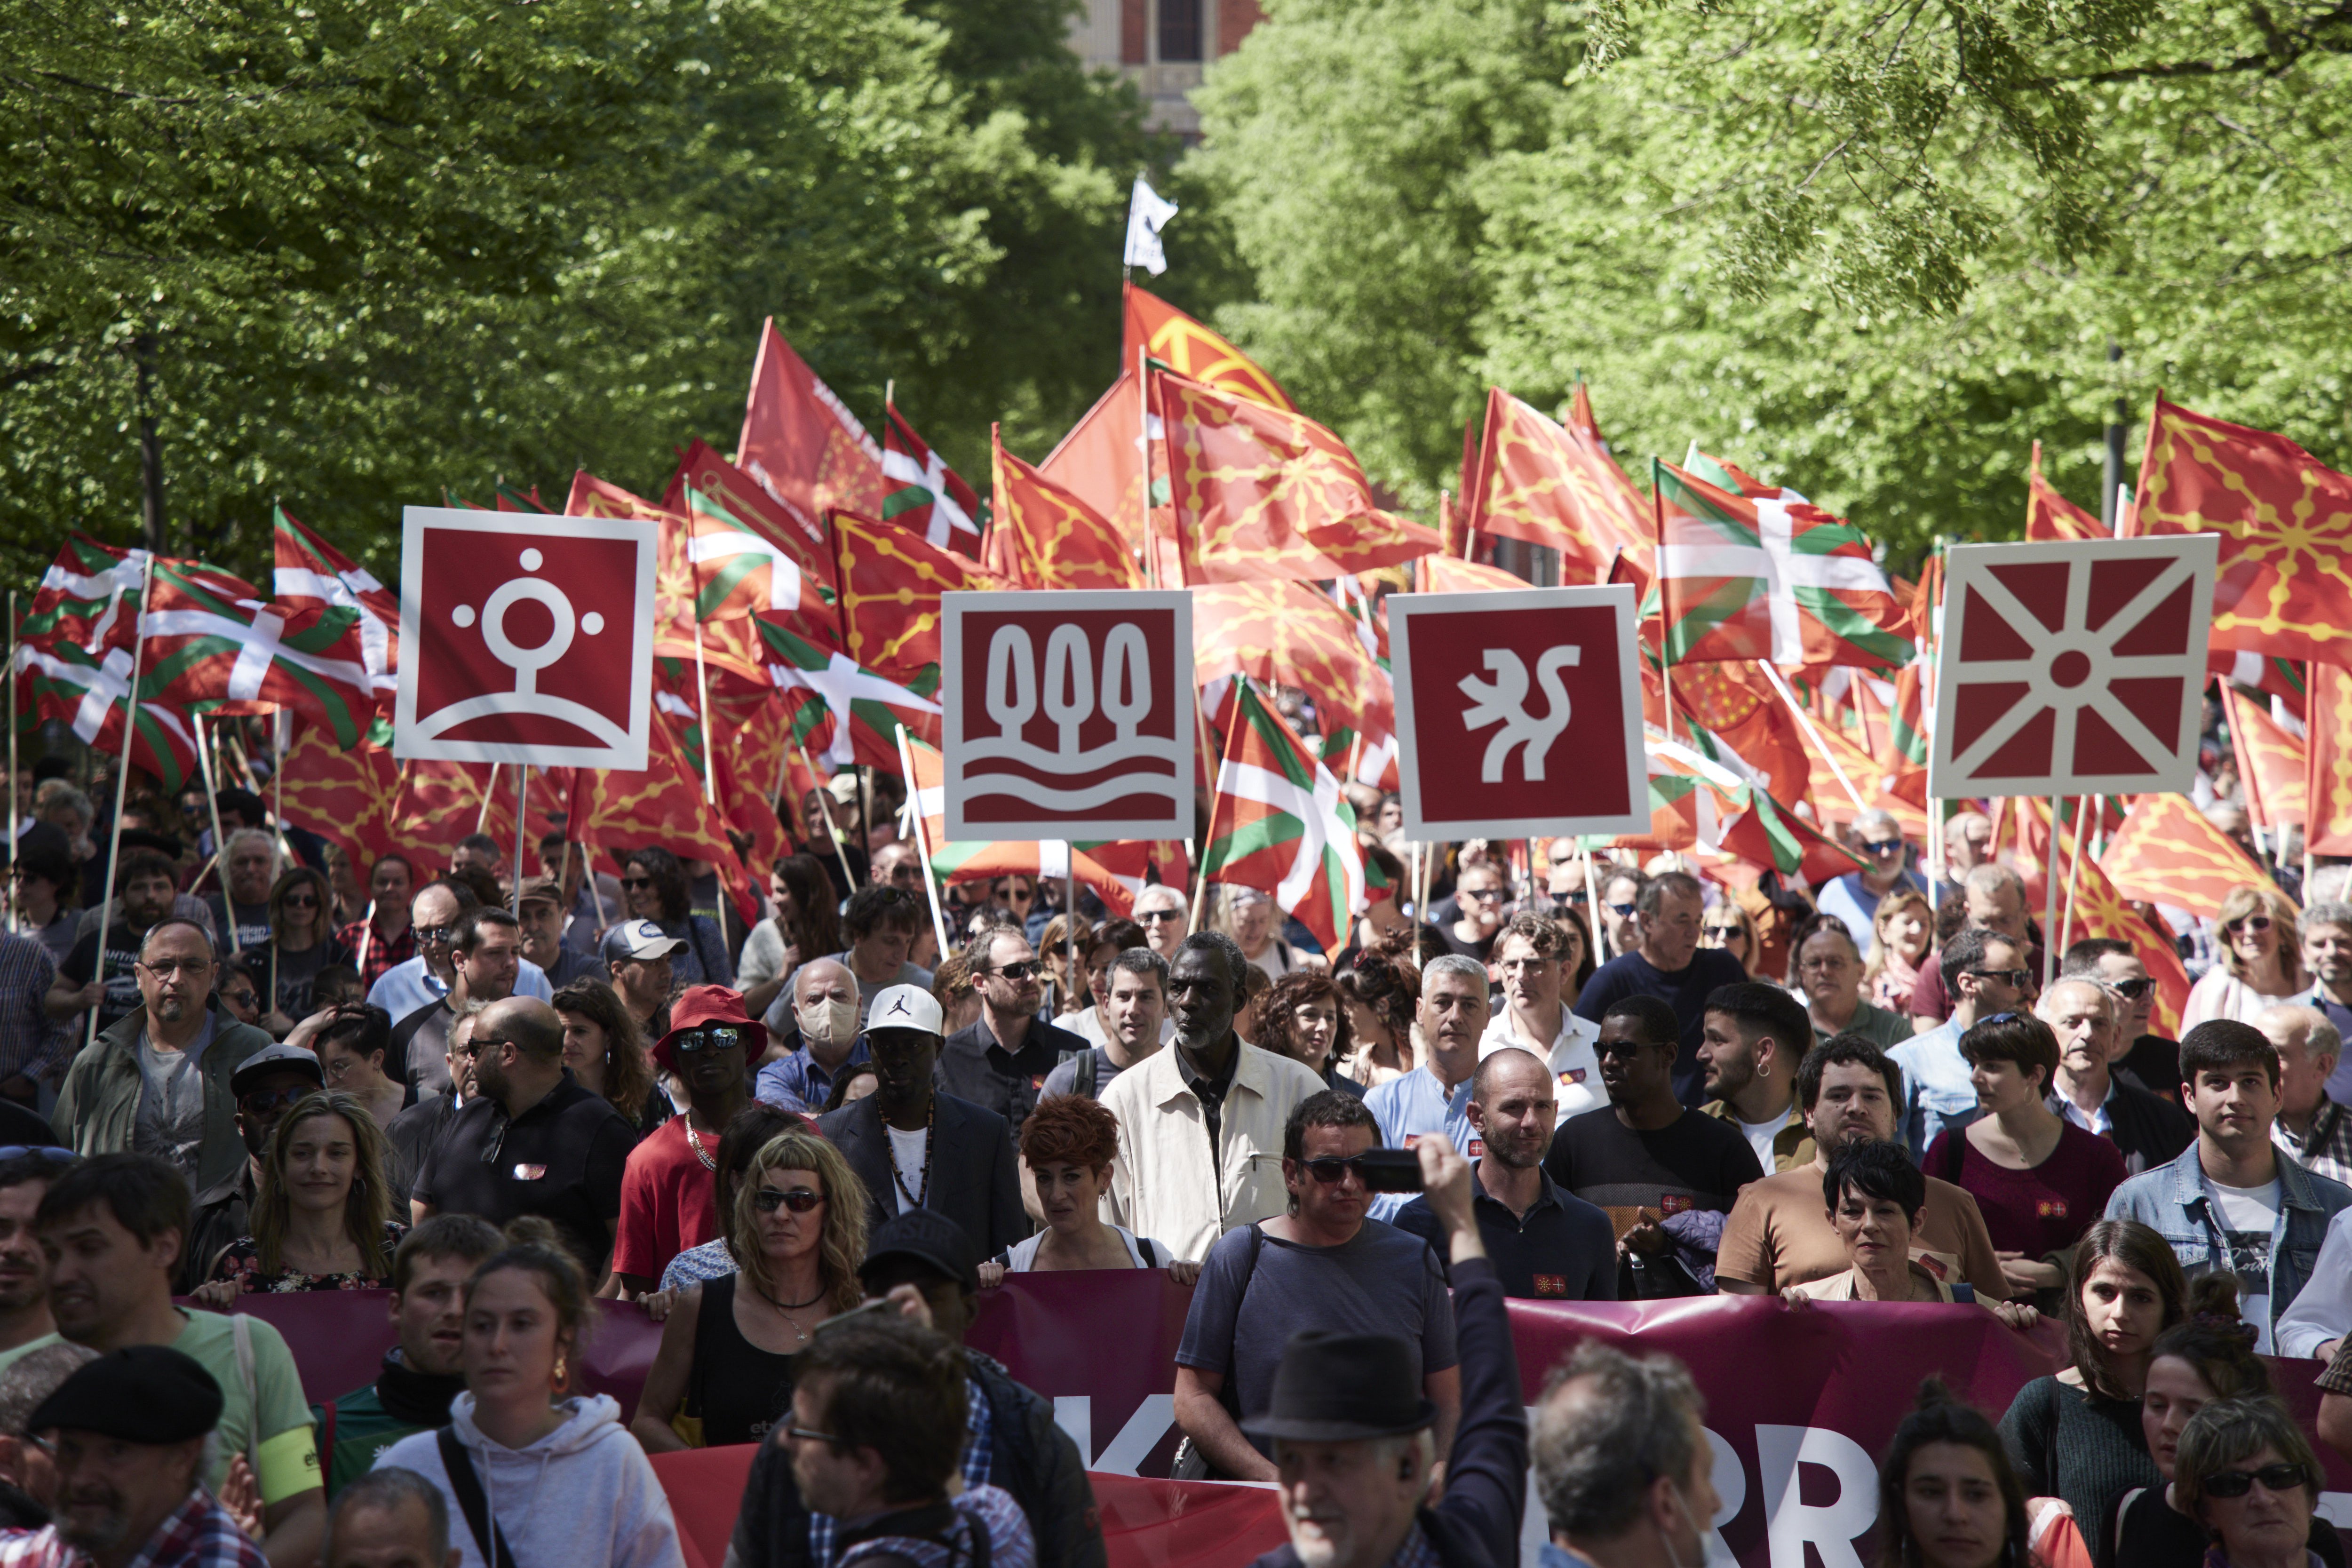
(141, 1394)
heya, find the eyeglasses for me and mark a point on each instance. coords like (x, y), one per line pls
(1018, 971)
(1619, 1047)
(1724, 933)
(473, 1044)
(262, 1102)
(2019, 978)
(1330, 1168)
(803, 1435)
(718, 1038)
(2248, 922)
(1621, 911)
(1153, 917)
(2279, 1478)
(2130, 990)
(799, 1200)
(307, 901)
(1882, 846)
(637, 882)
(191, 967)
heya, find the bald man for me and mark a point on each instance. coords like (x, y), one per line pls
(824, 1002)
(2147, 1129)
(530, 1139)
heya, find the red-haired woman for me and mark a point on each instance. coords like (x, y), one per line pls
(1068, 1141)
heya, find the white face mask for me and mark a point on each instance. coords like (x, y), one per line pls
(828, 1020)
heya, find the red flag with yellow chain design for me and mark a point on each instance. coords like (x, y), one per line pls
(1044, 537)
(2100, 910)
(2327, 777)
(2049, 515)
(891, 580)
(1288, 634)
(615, 812)
(730, 645)
(345, 796)
(2271, 763)
(2167, 853)
(1261, 493)
(1557, 485)
(1155, 328)
(2286, 525)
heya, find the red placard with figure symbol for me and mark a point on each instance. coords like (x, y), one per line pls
(2071, 667)
(525, 639)
(1518, 713)
(1068, 715)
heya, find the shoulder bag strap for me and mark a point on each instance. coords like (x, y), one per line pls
(1082, 1077)
(1956, 1152)
(241, 1329)
(467, 1486)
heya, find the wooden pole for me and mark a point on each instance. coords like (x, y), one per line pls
(1780, 685)
(523, 817)
(14, 826)
(121, 793)
(2050, 898)
(2075, 870)
(702, 717)
(1592, 903)
(922, 842)
(824, 808)
(489, 787)
(220, 845)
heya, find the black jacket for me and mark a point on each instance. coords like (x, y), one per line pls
(2147, 1129)
(974, 1181)
(1030, 1457)
(1476, 1524)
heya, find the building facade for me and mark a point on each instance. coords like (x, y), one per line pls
(1162, 46)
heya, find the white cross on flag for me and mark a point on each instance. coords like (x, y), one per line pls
(2072, 667)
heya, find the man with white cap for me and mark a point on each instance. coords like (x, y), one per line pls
(636, 955)
(916, 1148)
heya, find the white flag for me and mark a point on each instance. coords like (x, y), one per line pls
(1147, 214)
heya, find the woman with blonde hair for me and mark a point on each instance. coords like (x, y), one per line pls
(1733, 929)
(322, 1210)
(2259, 958)
(301, 943)
(724, 1371)
(1901, 934)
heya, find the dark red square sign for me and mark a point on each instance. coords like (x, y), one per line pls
(525, 639)
(1518, 713)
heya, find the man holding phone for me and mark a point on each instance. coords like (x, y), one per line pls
(1324, 1265)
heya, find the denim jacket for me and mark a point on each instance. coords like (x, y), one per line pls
(2174, 1201)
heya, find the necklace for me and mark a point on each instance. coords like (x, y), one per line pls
(915, 1199)
(695, 1138)
(789, 1307)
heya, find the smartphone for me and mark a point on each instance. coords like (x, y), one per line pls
(1392, 1171)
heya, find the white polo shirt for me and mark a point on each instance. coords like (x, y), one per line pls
(1575, 1065)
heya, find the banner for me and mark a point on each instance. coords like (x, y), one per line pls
(1801, 1402)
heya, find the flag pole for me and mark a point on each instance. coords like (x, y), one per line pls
(702, 717)
(281, 741)
(121, 793)
(523, 817)
(1780, 685)
(1666, 637)
(489, 787)
(923, 841)
(220, 845)
(13, 826)
(1208, 845)
(2074, 868)
(1591, 903)
(1069, 922)
(824, 808)
(2050, 898)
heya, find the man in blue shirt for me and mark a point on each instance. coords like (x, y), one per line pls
(1987, 974)
(824, 1005)
(1667, 964)
(1854, 897)
(1435, 1095)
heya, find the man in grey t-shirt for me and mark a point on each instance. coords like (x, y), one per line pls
(1322, 1265)
(170, 1117)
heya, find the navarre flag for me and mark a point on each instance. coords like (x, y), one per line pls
(728, 645)
(346, 796)
(1158, 329)
(801, 443)
(1045, 536)
(890, 586)
(212, 643)
(617, 812)
(1736, 719)
(1527, 477)
(844, 713)
(1287, 634)
(2049, 515)
(2101, 910)
(2328, 741)
(1280, 824)
(1439, 574)
(922, 493)
(1258, 492)
(312, 575)
(2285, 522)
(2167, 853)
(2271, 763)
(1769, 577)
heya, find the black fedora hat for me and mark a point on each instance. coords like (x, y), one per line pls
(1337, 1388)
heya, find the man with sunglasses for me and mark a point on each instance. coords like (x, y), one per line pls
(667, 1191)
(158, 1081)
(486, 964)
(1988, 975)
(1995, 899)
(408, 989)
(1002, 1060)
(533, 1140)
(266, 1086)
(1887, 865)
(1161, 910)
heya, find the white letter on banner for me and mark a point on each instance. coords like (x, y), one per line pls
(1790, 1523)
(1074, 1414)
(1139, 1435)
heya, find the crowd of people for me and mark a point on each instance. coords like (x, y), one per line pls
(498, 1092)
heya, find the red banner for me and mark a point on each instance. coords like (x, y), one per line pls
(1801, 1402)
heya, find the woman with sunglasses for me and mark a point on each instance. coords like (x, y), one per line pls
(301, 942)
(724, 1371)
(321, 1211)
(1070, 993)
(2245, 1472)
(655, 885)
(2260, 960)
(1732, 929)
(1900, 933)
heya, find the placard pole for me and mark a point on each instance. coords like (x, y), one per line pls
(2050, 898)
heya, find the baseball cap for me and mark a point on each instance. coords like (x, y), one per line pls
(139, 1393)
(930, 1238)
(276, 1057)
(638, 939)
(906, 1008)
(541, 890)
(842, 787)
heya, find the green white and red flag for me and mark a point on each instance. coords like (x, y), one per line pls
(313, 574)
(919, 492)
(841, 712)
(1698, 804)
(1279, 824)
(1769, 577)
(88, 597)
(89, 694)
(213, 644)
(980, 860)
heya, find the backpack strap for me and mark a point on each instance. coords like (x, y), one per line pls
(1082, 1075)
(468, 1486)
(1956, 1152)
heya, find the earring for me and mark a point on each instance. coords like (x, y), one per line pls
(562, 1370)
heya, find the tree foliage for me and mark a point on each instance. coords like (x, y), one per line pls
(382, 249)
(1873, 249)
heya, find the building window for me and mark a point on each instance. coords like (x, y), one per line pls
(1180, 29)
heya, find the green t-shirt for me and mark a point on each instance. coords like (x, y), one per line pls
(361, 1428)
(263, 1416)
(10, 1357)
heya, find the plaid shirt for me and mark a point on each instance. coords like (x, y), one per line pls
(1414, 1551)
(30, 1040)
(380, 954)
(1011, 1543)
(2328, 1148)
(199, 1534)
(979, 1456)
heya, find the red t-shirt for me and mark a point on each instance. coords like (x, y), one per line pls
(666, 1201)
(2045, 1209)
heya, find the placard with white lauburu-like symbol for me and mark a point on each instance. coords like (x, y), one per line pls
(525, 639)
(1068, 714)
